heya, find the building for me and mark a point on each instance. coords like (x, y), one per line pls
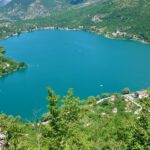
(141, 94)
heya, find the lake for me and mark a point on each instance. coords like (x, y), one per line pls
(88, 63)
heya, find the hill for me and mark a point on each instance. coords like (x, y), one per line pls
(128, 19)
(84, 125)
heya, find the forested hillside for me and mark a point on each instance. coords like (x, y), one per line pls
(128, 19)
(81, 125)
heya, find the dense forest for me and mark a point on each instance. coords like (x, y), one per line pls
(82, 125)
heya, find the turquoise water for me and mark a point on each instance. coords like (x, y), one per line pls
(89, 63)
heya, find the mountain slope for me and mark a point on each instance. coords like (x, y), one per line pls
(116, 18)
(128, 19)
(29, 9)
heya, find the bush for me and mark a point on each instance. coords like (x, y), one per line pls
(126, 91)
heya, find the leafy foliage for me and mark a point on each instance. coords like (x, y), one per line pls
(73, 124)
(8, 65)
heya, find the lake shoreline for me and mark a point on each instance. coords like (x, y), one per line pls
(14, 70)
(108, 35)
(70, 59)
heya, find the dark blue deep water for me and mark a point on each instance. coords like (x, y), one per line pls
(89, 63)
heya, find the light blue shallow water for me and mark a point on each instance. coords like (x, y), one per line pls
(63, 59)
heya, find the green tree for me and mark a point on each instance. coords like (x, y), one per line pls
(54, 109)
(126, 91)
(64, 121)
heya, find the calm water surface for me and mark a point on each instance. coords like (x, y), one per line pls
(89, 63)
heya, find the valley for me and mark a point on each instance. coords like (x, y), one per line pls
(95, 54)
